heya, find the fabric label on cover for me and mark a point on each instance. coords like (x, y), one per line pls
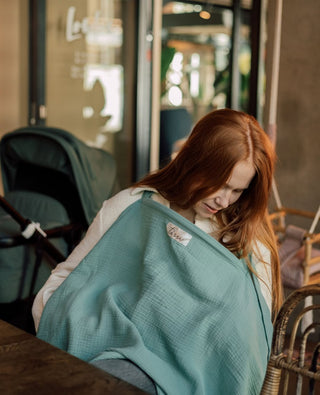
(178, 234)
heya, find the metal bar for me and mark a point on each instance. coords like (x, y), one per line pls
(37, 37)
(143, 88)
(155, 86)
(234, 72)
(255, 57)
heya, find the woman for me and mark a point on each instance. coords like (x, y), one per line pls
(177, 279)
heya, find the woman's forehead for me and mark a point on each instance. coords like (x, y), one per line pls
(241, 175)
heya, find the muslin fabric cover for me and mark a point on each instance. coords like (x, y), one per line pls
(159, 291)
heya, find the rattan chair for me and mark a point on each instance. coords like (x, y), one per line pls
(294, 361)
(307, 246)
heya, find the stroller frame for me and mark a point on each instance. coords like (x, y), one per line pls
(50, 162)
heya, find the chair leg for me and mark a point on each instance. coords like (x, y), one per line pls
(272, 380)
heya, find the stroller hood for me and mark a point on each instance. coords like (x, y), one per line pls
(92, 170)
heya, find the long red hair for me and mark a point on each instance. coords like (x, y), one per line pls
(217, 142)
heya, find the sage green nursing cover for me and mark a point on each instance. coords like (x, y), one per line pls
(160, 292)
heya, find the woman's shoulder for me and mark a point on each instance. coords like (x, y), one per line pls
(115, 205)
(123, 199)
(126, 197)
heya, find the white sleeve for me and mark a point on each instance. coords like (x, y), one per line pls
(262, 263)
(110, 211)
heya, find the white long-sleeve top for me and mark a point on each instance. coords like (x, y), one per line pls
(108, 214)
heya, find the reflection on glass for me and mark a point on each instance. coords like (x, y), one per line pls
(196, 56)
(111, 80)
(175, 96)
(85, 69)
(195, 75)
(91, 54)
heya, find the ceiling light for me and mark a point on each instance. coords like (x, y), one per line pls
(205, 14)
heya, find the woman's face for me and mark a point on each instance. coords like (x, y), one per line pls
(239, 180)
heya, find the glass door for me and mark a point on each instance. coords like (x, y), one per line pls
(89, 74)
(211, 53)
(206, 55)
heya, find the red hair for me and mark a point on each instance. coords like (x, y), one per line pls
(216, 144)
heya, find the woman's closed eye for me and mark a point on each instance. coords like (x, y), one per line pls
(237, 191)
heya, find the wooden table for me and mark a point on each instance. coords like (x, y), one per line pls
(29, 365)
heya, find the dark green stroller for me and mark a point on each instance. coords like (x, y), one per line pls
(54, 185)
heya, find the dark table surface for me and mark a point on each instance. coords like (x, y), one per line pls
(29, 365)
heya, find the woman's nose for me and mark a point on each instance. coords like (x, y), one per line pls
(223, 200)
